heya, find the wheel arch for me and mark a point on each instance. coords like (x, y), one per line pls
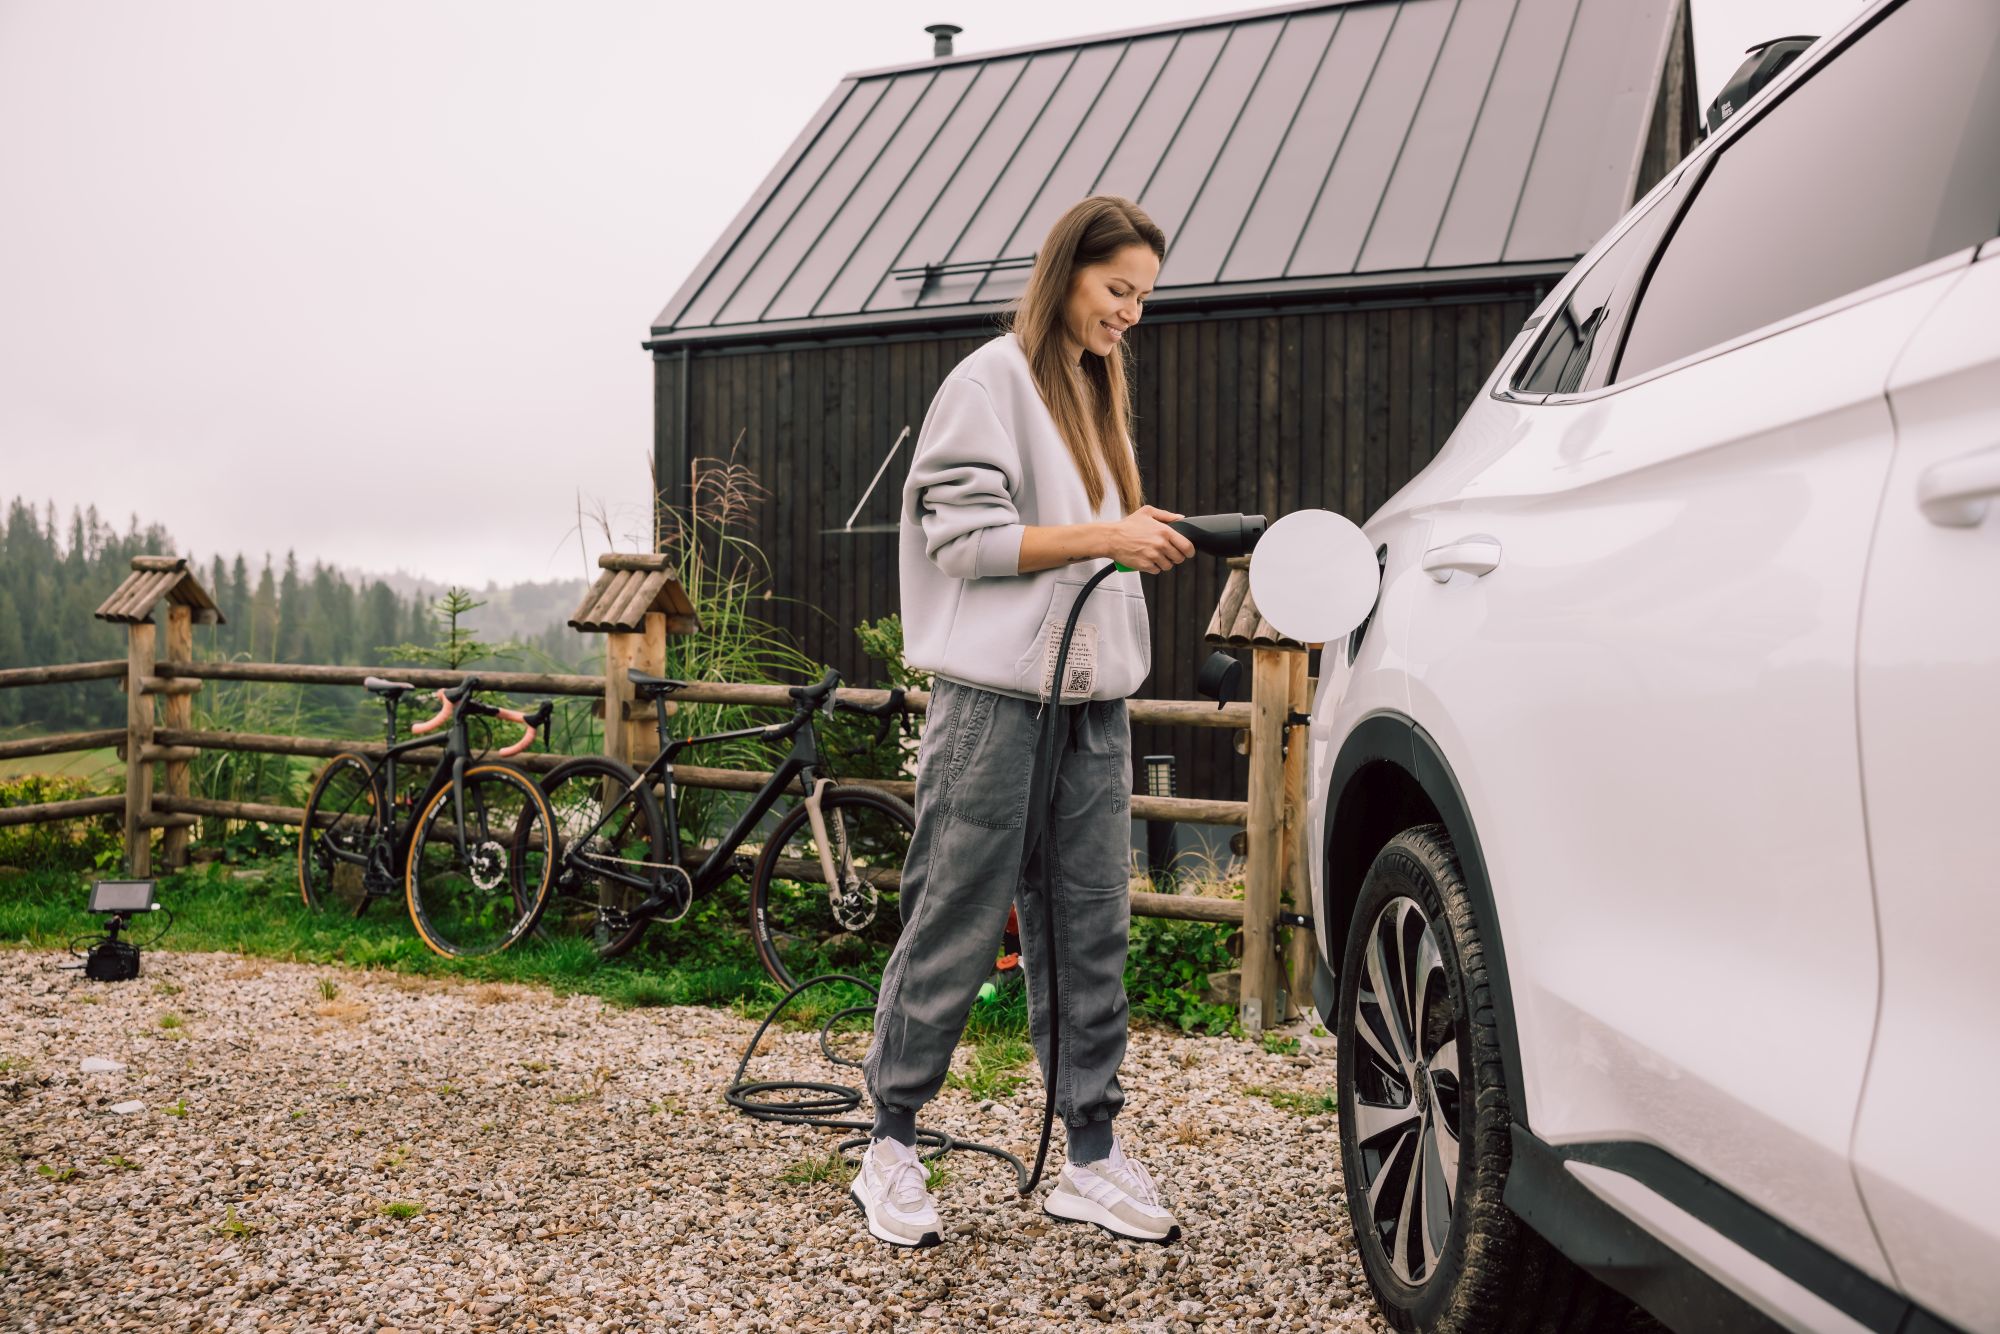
(1388, 776)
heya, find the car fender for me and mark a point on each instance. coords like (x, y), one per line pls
(1388, 775)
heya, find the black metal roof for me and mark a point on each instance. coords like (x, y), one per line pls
(1300, 148)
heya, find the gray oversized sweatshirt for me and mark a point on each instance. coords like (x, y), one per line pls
(989, 461)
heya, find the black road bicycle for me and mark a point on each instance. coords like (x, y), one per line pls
(824, 882)
(469, 852)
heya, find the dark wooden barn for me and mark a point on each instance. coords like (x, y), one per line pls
(1362, 201)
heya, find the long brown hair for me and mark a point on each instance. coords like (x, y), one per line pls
(1099, 431)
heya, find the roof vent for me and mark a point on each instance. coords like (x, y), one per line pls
(941, 34)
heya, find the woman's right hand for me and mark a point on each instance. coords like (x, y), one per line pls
(1142, 541)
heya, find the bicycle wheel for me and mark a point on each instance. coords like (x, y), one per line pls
(478, 889)
(800, 929)
(338, 836)
(584, 903)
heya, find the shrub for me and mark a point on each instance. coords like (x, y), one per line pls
(69, 845)
(1167, 968)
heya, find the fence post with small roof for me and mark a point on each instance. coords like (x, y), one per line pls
(1276, 972)
(635, 604)
(153, 579)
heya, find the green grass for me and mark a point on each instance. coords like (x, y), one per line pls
(235, 1225)
(817, 1167)
(261, 916)
(706, 959)
(401, 1209)
(1296, 1101)
(86, 764)
(998, 1065)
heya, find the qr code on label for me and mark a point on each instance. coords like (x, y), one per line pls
(1079, 671)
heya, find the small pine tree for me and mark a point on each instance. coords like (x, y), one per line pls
(456, 644)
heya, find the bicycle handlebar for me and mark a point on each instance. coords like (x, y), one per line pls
(442, 716)
(535, 721)
(449, 700)
(816, 696)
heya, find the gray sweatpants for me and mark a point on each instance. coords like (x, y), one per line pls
(963, 870)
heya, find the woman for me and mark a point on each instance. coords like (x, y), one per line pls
(1023, 483)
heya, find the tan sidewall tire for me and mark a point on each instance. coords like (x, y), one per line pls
(528, 921)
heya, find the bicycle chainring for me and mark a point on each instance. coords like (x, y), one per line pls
(379, 879)
(679, 892)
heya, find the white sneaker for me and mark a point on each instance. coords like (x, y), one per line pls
(1115, 1193)
(889, 1189)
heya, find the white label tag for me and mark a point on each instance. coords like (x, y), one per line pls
(1079, 670)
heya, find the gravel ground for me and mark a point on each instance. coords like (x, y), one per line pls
(577, 1169)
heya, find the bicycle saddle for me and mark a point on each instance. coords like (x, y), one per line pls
(389, 689)
(651, 686)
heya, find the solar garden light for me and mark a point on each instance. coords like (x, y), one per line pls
(1159, 833)
(112, 959)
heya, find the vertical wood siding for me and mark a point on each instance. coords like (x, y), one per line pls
(1267, 413)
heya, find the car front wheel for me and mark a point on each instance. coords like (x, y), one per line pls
(1425, 1113)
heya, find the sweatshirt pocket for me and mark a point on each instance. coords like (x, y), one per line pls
(1032, 665)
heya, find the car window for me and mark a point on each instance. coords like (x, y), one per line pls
(1885, 158)
(1574, 330)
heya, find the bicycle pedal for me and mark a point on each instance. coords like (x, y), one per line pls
(741, 865)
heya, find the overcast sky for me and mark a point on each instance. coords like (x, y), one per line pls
(368, 279)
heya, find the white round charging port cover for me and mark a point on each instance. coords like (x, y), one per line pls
(1314, 576)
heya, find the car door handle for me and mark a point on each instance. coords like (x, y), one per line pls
(1954, 493)
(1475, 555)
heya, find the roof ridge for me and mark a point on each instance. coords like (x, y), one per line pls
(1121, 35)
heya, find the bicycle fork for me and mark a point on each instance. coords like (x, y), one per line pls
(816, 816)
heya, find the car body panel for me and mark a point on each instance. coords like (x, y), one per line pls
(1929, 705)
(1666, 649)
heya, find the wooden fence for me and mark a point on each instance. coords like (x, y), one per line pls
(1273, 976)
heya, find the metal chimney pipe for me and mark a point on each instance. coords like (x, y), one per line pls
(942, 33)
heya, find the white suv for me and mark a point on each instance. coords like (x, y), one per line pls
(1658, 904)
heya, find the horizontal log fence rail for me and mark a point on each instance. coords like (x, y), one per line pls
(181, 744)
(637, 606)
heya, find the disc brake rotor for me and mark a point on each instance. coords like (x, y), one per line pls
(487, 864)
(854, 903)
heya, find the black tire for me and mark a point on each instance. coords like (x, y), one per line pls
(793, 920)
(339, 825)
(483, 901)
(1423, 1094)
(588, 907)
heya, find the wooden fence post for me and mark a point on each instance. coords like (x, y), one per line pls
(153, 579)
(620, 652)
(179, 711)
(1300, 951)
(635, 603)
(138, 740)
(1274, 975)
(1270, 697)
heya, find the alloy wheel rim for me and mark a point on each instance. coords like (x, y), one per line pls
(1407, 1109)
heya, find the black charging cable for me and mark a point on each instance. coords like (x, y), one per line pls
(1041, 792)
(826, 1104)
(1216, 534)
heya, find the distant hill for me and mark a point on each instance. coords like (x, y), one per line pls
(53, 575)
(515, 611)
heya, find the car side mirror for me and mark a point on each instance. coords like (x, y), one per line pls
(1314, 576)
